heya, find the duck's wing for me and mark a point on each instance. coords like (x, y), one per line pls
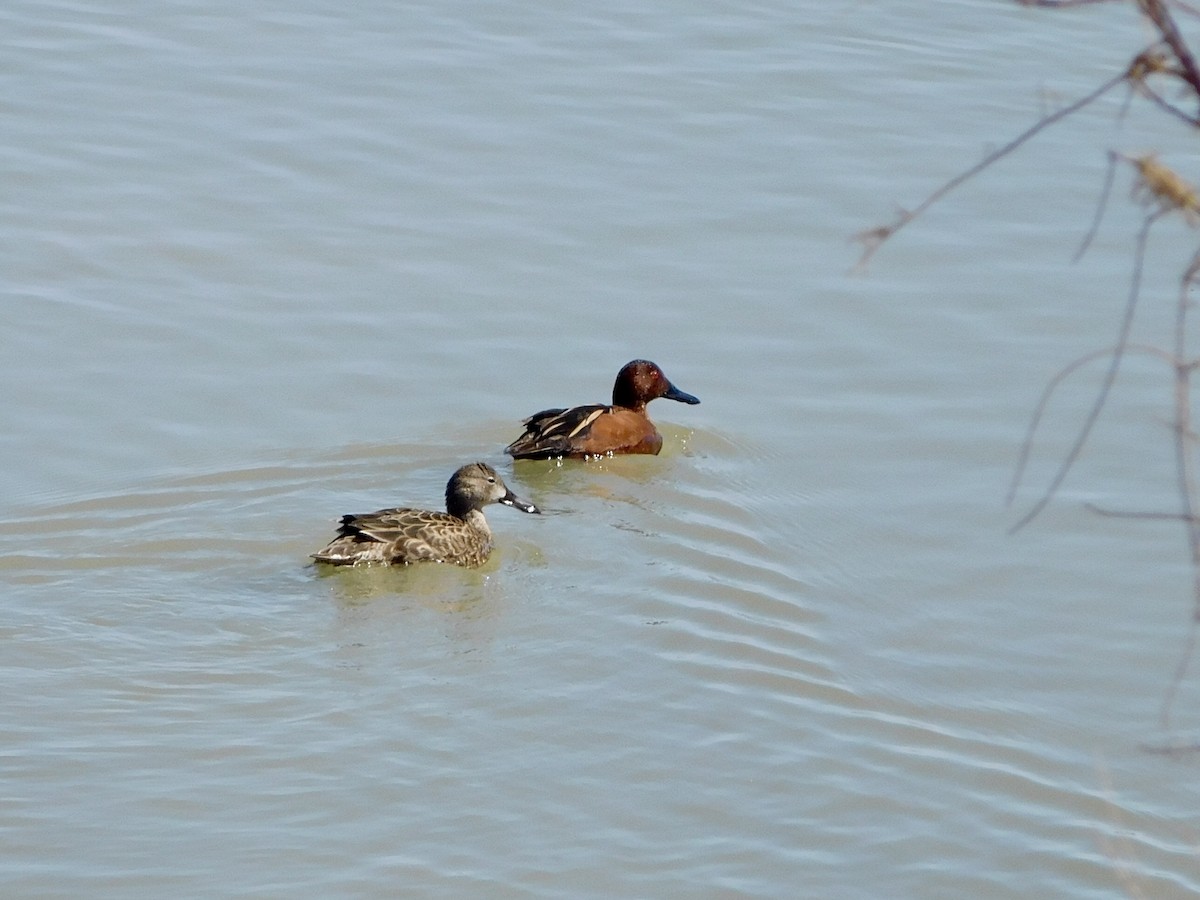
(555, 432)
(394, 535)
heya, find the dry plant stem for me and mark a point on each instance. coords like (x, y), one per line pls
(1109, 176)
(1170, 192)
(1048, 392)
(1175, 749)
(1109, 377)
(1183, 423)
(1187, 486)
(1131, 514)
(1185, 657)
(1156, 11)
(1150, 94)
(874, 238)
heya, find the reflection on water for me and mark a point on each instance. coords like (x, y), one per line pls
(450, 589)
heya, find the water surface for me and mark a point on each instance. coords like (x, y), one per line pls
(265, 267)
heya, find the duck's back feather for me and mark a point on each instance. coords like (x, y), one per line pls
(407, 535)
(555, 432)
(583, 431)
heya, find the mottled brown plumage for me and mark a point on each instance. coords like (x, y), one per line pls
(583, 431)
(402, 535)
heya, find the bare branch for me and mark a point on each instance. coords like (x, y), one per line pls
(1156, 11)
(1109, 174)
(1153, 96)
(1185, 658)
(1130, 514)
(1178, 748)
(1109, 377)
(1049, 390)
(873, 238)
(1185, 479)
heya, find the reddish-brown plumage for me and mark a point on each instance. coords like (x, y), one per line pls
(583, 431)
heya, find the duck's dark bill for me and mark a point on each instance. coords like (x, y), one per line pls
(676, 394)
(511, 499)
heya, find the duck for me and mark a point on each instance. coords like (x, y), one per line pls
(581, 432)
(401, 535)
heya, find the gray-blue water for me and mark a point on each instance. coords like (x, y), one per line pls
(264, 265)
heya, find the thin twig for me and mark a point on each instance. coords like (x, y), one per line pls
(1109, 175)
(1109, 377)
(1123, 112)
(1048, 392)
(1183, 419)
(1186, 482)
(1185, 748)
(1131, 514)
(872, 239)
(1158, 100)
(1156, 11)
(1181, 667)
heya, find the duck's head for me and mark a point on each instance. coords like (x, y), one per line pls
(478, 484)
(641, 381)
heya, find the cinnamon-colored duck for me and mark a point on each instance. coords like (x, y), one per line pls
(584, 431)
(402, 535)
